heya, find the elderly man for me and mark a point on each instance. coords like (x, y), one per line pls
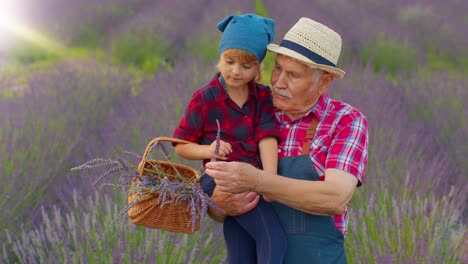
(322, 153)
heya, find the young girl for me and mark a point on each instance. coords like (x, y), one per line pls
(249, 133)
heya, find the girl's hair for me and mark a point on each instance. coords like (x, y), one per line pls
(244, 57)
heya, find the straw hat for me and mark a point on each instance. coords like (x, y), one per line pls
(312, 43)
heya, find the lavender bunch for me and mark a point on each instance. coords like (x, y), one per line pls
(112, 166)
(218, 138)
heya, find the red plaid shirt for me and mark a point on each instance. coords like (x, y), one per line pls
(242, 127)
(340, 142)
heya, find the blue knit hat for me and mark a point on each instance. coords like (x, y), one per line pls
(248, 32)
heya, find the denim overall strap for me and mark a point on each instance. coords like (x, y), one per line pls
(311, 238)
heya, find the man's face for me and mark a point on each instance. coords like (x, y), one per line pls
(295, 87)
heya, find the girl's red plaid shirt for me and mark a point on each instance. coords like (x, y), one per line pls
(242, 127)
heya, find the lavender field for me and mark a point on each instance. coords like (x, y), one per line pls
(87, 79)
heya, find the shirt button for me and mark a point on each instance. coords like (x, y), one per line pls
(288, 126)
(246, 116)
(279, 150)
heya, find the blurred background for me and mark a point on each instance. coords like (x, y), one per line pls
(94, 78)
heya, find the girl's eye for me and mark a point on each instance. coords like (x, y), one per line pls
(247, 66)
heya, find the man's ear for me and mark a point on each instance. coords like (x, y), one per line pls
(325, 82)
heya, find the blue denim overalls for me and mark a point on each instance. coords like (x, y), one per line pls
(312, 239)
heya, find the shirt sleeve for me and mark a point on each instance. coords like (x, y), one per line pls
(191, 123)
(349, 149)
(267, 125)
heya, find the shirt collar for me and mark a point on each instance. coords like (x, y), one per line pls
(318, 109)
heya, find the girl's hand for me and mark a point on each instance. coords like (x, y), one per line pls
(224, 150)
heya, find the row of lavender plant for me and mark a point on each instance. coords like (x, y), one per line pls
(141, 33)
(148, 113)
(405, 166)
(103, 109)
(404, 31)
(399, 36)
(88, 233)
(418, 115)
(410, 209)
(166, 31)
(76, 111)
(439, 99)
(53, 125)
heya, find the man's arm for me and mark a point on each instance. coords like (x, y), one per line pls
(328, 197)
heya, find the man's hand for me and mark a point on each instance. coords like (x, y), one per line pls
(235, 204)
(234, 177)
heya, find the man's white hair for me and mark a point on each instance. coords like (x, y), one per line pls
(316, 73)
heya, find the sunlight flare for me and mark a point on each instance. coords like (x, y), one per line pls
(10, 26)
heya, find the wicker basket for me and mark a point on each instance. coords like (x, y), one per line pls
(147, 212)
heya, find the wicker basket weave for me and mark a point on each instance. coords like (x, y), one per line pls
(147, 212)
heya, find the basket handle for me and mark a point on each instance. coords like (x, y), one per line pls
(156, 140)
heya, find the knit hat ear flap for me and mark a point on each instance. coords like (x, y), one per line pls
(270, 29)
(223, 23)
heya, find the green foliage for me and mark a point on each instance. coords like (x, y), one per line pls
(25, 52)
(92, 30)
(390, 55)
(89, 36)
(204, 46)
(438, 60)
(260, 8)
(268, 64)
(143, 51)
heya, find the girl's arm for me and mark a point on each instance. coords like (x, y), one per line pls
(269, 154)
(194, 151)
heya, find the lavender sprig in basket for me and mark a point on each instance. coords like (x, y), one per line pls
(160, 194)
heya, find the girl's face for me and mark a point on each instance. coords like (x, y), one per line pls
(236, 70)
